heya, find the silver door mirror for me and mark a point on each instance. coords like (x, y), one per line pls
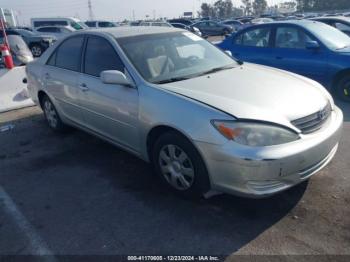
(115, 77)
(228, 52)
(312, 45)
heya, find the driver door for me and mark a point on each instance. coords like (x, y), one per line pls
(109, 110)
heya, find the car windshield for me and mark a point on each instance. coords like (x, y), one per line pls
(170, 57)
(78, 26)
(330, 36)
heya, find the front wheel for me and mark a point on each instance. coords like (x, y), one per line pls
(180, 166)
(342, 88)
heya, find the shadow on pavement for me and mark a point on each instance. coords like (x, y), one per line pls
(345, 107)
(85, 196)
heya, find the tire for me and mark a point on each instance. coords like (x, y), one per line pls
(342, 88)
(225, 32)
(51, 115)
(37, 50)
(180, 166)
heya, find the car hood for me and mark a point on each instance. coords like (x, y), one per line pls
(256, 92)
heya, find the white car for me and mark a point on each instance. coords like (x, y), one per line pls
(56, 31)
(164, 24)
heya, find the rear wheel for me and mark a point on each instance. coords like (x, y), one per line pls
(36, 50)
(342, 88)
(179, 165)
(51, 115)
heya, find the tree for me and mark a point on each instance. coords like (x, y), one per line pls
(205, 10)
(322, 5)
(247, 7)
(259, 6)
(221, 9)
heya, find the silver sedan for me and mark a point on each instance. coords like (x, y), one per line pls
(207, 122)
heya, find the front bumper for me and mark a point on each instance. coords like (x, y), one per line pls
(263, 171)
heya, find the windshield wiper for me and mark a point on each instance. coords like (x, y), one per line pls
(171, 80)
(216, 69)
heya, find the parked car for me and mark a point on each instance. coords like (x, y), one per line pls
(184, 21)
(58, 21)
(205, 121)
(55, 31)
(101, 24)
(37, 43)
(340, 22)
(211, 28)
(188, 28)
(308, 48)
(163, 24)
(20, 52)
(245, 19)
(237, 25)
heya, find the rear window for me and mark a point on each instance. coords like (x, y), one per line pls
(49, 23)
(68, 54)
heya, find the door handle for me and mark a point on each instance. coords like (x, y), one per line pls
(236, 54)
(83, 87)
(279, 57)
(47, 76)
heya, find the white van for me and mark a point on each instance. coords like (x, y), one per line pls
(58, 21)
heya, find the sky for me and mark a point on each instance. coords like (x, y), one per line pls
(115, 10)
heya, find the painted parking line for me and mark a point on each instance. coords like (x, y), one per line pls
(38, 246)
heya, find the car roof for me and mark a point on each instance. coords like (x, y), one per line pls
(331, 17)
(303, 22)
(130, 31)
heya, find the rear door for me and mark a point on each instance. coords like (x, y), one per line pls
(61, 75)
(254, 45)
(110, 110)
(292, 55)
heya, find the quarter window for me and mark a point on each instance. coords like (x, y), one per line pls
(258, 37)
(68, 54)
(101, 56)
(291, 37)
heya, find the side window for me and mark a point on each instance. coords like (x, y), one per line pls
(68, 54)
(342, 27)
(238, 39)
(291, 37)
(90, 24)
(101, 56)
(49, 29)
(259, 37)
(52, 59)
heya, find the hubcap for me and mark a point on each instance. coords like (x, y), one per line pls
(50, 114)
(176, 167)
(36, 51)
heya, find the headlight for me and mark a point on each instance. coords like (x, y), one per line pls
(254, 134)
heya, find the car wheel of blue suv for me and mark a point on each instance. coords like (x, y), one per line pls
(342, 88)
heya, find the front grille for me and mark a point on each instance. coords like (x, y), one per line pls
(313, 122)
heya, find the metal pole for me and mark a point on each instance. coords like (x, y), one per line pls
(2, 24)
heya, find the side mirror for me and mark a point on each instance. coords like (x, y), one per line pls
(228, 52)
(312, 45)
(115, 77)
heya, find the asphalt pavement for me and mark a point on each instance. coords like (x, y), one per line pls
(74, 194)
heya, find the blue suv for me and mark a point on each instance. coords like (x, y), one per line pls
(308, 48)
